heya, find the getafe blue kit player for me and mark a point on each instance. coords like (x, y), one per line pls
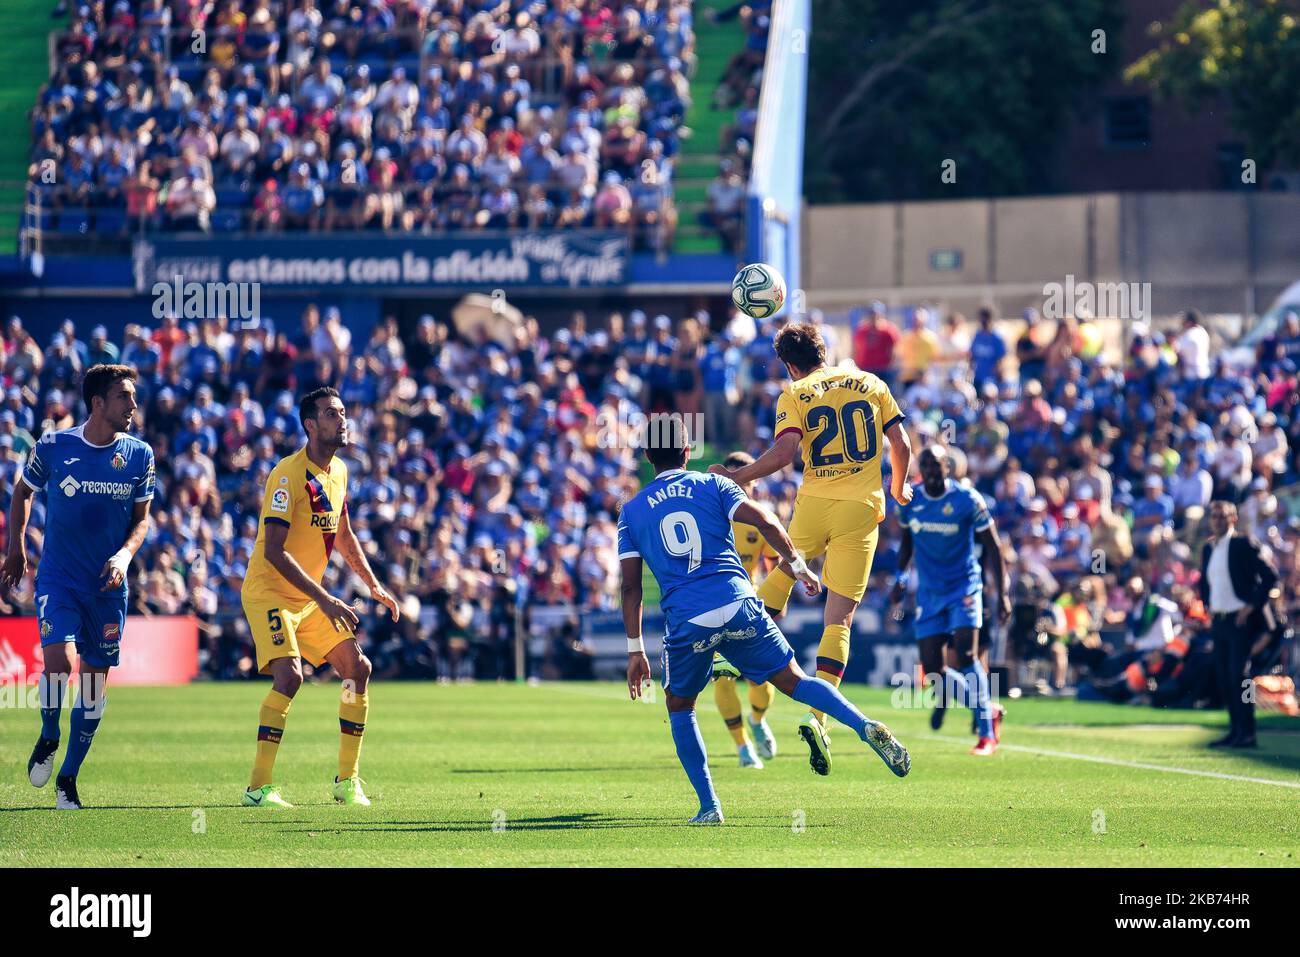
(680, 525)
(941, 526)
(98, 483)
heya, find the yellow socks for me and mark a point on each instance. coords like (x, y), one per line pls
(270, 729)
(832, 655)
(352, 725)
(724, 693)
(774, 593)
(760, 699)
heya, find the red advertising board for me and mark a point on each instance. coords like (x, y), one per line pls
(161, 650)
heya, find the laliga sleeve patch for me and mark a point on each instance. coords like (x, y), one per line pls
(280, 500)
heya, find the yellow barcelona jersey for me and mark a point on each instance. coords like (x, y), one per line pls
(751, 546)
(310, 502)
(841, 416)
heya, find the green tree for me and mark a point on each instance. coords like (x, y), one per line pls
(897, 87)
(1243, 53)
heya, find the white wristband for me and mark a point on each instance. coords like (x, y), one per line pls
(121, 560)
(798, 565)
(635, 645)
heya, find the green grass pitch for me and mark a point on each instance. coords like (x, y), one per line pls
(575, 774)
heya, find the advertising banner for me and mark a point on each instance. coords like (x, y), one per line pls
(161, 650)
(378, 263)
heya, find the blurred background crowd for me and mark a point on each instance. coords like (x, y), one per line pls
(487, 475)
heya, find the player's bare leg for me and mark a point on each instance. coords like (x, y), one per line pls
(53, 687)
(692, 755)
(819, 693)
(286, 679)
(354, 705)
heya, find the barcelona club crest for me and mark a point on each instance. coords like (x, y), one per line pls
(119, 460)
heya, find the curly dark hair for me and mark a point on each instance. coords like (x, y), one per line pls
(801, 346)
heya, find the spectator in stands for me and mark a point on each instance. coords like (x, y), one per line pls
(874, 341)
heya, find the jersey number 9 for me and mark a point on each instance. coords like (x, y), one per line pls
(682, 537)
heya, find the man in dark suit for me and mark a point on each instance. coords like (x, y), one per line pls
(1235, 584)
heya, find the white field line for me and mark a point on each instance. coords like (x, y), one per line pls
(1118, 762)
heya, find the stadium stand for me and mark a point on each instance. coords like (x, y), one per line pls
(488, 478)
(418, 116)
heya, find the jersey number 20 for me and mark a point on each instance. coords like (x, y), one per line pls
(858, 447)
(682, 537)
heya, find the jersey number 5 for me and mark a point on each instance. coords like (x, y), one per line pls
(682, 537)
(858, 446)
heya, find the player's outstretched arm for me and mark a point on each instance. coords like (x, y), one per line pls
(20, 509)
(338, 611)
(995, 562)
(353, 554)
(638, 666)
(114, 571)
(900, 462)
(769, 526)
(777, 457)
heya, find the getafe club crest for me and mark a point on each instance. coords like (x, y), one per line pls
(46, 628)
(947, 508)
(119, 460)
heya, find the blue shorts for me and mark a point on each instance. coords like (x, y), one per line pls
(750, 640)
(94, 622)
(944, 613)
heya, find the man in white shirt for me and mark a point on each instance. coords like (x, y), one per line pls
(1193, 348)
(1236, 582)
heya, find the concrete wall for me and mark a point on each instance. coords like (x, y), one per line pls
(1220, 252)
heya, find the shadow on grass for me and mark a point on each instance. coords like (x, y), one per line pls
(585, 821)
(623, 767)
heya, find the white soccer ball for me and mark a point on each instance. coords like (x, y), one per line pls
(758, 291)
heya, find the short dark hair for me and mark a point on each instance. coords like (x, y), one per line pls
(666, 441)
(100, 378)
(307, 408)
(801, 346)
(738, 460)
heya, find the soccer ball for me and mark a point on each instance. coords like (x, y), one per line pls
(758, 291)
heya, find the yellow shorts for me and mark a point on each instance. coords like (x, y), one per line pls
(846, 531)
(281, 633)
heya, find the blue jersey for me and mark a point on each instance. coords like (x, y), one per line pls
(91, 491)
(680, 525)
(943, 538)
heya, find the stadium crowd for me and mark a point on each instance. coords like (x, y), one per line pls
(487, 476)
(342, 114)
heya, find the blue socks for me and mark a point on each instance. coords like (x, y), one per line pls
(970, 687)
(820, 695)
(86, 715)
(982, 705)
(51, 689)
(690, 751)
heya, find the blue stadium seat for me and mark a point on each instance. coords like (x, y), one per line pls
(110, 220)
(226, 220)
(74, 221)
